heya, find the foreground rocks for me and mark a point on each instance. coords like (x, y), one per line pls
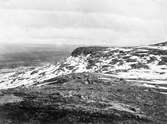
(83, 98)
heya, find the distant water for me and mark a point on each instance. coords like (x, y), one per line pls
(12, 56)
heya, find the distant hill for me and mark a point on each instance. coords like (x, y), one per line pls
(160, 44)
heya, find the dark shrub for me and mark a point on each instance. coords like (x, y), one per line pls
(163, 61)
(139, 65)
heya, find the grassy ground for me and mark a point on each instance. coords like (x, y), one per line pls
(83, 98)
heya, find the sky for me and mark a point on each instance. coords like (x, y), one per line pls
(88, 22)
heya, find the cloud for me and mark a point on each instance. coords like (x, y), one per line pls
(62, 19)
(89, 36)
(140, 8)
(129, 22)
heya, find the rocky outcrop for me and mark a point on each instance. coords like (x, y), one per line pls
(86, 50)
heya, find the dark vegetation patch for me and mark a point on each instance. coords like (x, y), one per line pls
(163, 61)
(114, 61)
(152, 59)
(91, 63)
(157, 52)
(139, 65)
(131, 60)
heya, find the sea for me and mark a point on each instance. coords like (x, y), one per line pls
(16, 55)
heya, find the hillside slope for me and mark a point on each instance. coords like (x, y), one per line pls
(94, 85)
(146, 65)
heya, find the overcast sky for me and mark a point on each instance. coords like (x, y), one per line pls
(91, 22)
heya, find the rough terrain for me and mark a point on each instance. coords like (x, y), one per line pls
(95, 85)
